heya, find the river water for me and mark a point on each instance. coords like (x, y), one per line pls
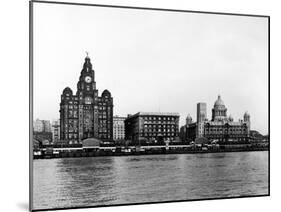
(74, 182)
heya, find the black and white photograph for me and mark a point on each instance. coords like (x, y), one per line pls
(143, 105)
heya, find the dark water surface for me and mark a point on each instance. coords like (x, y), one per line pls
(74, 182)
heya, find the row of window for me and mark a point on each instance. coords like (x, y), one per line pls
(225, 130)
(155, 134)
(160, 126)
(71, 135)
(72, 98)
(103, 103)
(159, 122)
(118, 125)
(219, 133)
(160, 118)
(74, 114)
(158, 130)
(74, 104)
(118, 134)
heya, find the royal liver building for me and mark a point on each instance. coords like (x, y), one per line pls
(86, 114)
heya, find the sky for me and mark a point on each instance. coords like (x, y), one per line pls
(153, 61)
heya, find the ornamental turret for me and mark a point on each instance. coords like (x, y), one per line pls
(247, 120)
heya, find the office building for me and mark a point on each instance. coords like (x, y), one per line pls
(85, 114)
(118, 128)
(152, 127)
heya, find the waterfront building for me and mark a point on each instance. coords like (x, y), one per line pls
(191, 127)
(118, 128)
(220, 128)
(86, 114)
(183, 129)
(182, 133)
(41, 126)
(56, 131)
(226, 131)
(152, 127)
(201, 118)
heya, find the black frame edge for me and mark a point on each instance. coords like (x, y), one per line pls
(148, 8)
(30, 105)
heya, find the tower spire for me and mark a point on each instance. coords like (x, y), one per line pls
(87, 64)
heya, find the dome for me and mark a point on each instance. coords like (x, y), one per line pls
(106, 93)
(67, 90)
(188, 117)
(87, 63)
(219, 102)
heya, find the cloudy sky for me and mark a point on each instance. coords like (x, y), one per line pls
(153, 61)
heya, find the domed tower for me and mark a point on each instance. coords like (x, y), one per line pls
(67, 91)
(86, 114)
(188, 119)
(107, 115)
(86, 84)
(219, 110)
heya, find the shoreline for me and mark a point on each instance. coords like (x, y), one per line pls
(78, 154)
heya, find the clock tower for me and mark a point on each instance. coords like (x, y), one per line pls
(93, 114)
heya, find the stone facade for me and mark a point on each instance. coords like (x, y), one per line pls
(152, 127)
(226, 132)
(221, 127)
(86, 114)
(118, 128)
(201, 118)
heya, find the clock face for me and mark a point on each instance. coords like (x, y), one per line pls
(88, 79)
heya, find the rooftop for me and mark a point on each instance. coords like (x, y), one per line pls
(154, 114)
(217, 123)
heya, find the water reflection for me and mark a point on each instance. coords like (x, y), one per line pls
(70, 182)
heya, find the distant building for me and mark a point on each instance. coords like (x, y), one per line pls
(41, 126)
(201, 118)
(256, 136)
(152, 127)
(56, 131)
(86, 114)
(227, 131)
(191, 131)
(38, 125)
(43, 137)
(183, 129)
(182, 133)
(221, 128)
(118, 128)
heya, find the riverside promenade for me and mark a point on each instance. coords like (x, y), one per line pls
(50, 152)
